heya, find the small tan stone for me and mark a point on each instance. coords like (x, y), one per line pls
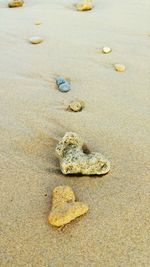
(15, 3)
(64, 207)
(76, 106)
(36, 40)
(106, 50)
(119, 67)
(84, 5)
(38, 22)
(75, 160)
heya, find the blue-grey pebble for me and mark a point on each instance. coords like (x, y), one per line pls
(60, 80)
(64, 87)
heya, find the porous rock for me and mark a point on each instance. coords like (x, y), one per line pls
(64, 208)
(74, 160)
(84, 5)
(15, 3)
(76, 106)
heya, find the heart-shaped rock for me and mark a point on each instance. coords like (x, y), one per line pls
(64, 207)
(75, 159)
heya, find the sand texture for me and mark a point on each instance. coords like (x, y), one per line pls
(115, 121)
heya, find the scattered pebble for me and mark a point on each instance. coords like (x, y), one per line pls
(15, 3)
(106, 50)
(36, 40)
(119, 67)
(63, 85)
(74, 160)
(38, 22)
(76, 106)
(84, 5)
(64, 207)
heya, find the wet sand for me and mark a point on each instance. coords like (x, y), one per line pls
(115, 121)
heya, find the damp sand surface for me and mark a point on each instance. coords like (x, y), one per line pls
(115, 122)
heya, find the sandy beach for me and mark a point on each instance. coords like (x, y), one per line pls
(115, 121)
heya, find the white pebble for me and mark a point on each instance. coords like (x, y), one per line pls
(106, 50)
(36, 40)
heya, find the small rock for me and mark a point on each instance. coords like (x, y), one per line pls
(76, 106)
(64, 207)
(60, 80)
(106, 50)
(119, 67)
(73, 158)
(84, 5)
(15, 3)
(36, 40)
(37, 22)
(63, 85)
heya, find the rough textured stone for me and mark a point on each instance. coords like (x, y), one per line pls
(76, 106)
(36, 40)
(64, 208)
(73, 159)
(119, 67)
(15, 3)
(106, 50)
(84, 5)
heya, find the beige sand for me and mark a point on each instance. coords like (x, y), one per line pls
(115, 121)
